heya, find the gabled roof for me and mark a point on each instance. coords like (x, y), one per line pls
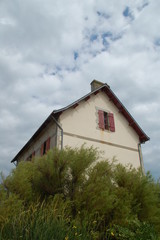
(107, 90)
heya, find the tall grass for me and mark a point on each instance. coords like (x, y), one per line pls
(47, 220)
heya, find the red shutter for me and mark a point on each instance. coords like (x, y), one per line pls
(42, 148)
(101, 119)
(48, 144)
(111, 122)
(33, 154)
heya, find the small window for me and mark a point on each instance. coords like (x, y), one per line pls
(45, 146)
(31, 156)
(106, 121)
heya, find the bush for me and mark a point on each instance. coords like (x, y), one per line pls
(68, 192)
(135, 230)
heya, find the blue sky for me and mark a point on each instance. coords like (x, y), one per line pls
(51, 51)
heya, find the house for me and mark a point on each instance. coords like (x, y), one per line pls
(98, 119)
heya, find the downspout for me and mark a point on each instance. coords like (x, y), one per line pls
(60, 129)
(141, 158)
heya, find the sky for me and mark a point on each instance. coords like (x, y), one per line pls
(50, 51)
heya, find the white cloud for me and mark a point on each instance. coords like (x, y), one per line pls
(50, 52)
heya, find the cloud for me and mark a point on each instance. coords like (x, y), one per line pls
(50, 52)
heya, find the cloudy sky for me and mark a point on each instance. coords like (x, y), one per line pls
(50, 51)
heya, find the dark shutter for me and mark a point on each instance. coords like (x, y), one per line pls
(42, 149)
(48, 144)
(33, 154)
(101, 119)
(111, 122)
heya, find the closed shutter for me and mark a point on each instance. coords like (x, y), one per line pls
(101, 119)
(48, 144)
(33, 154)
(111, 122)
(42, 149)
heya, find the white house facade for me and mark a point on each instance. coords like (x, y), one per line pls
(98, 119)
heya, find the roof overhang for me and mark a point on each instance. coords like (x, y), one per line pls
(132, 122)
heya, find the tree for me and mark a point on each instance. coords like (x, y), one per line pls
(97, 195)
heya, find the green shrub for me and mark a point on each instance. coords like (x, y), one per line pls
(20, 181)
(134, 230)
(68, 194)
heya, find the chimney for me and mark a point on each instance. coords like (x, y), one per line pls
(96, 84)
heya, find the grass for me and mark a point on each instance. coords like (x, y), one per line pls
(42, 221)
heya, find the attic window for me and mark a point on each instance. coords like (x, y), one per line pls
(45, 146)
(106, 120)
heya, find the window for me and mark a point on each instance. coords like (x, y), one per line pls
(31, 156)
(45, 146)
(106, 121)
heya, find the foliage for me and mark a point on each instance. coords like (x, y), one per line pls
(68, 194)
(62, 171)
(134, 230)
(10, 204)
(20, 181)
(120, 194)
(46, 220)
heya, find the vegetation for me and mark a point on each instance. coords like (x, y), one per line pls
(68, 194)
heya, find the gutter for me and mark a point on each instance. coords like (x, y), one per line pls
(60, 129)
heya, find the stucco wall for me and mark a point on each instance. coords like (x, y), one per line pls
(82, 122)
(123, 156)
(49, 131)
